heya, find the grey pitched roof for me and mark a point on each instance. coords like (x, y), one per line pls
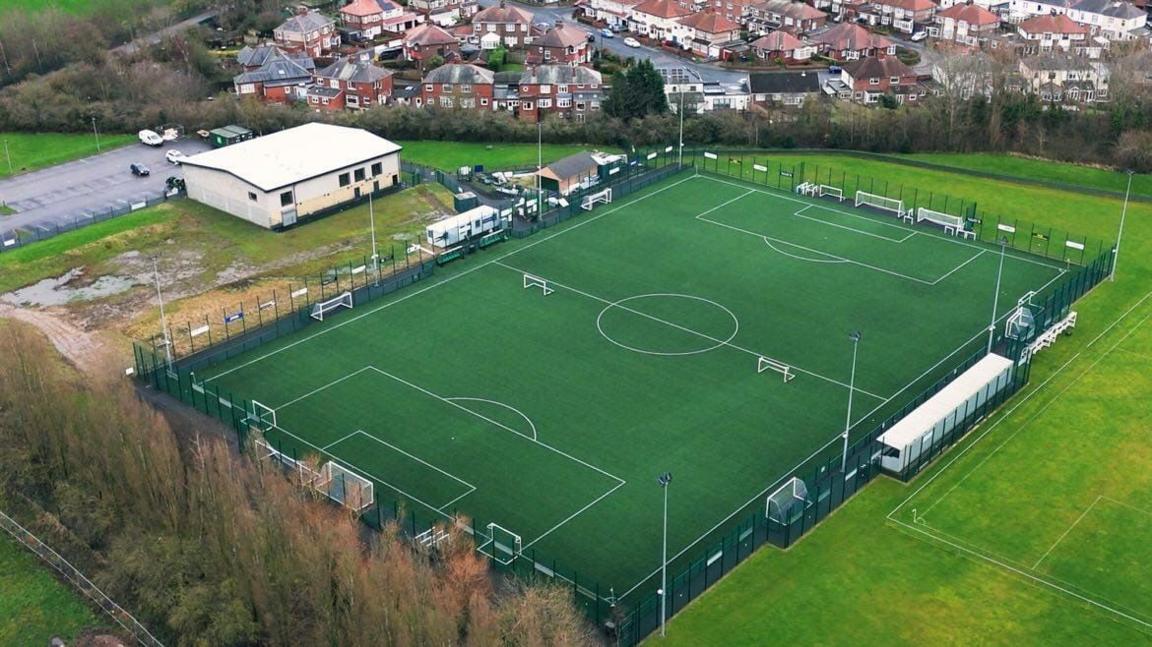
(278, 71)
(1110, 8)
(502, 14)
(1054, 62)
(783, 82)
(303, 23)
(460, 73)
(873, 67)
(354, 71)
(573, 165)
(560, 74)
(262, 54)
(507, 78)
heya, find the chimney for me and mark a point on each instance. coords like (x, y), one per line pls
(302, 10)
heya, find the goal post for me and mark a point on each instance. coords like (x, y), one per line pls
(501, 545)
(831, 191)
(768, 364)
(345, 487)
(533, 281)
(261, 416)
(321, 308)
(787, 503)
(863, 198)
(592, 199)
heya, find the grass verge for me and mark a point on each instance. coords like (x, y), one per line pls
(31, 151)
(35, 606)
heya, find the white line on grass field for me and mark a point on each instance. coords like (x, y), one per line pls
(719, 342)
(531, 425)
(435, 284)
(319, 389)
(1067, 530)
(833, 260)
(947, 239)
(471, 488)
(340, 440)
(821, 221)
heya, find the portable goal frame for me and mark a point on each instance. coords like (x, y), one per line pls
(881, 202)
(320, 308)
(533, 281)
(502, 545)
(769, 364)
(591, 200)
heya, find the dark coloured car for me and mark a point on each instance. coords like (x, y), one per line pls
(139, 170)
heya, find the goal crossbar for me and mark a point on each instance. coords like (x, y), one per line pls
(835, 192)
(939, 218)
(320, 308)
(261, 416)
(345, 487)
(591, 200)
(533, 281)
(784, 504)
(880, 202)
(769, 364)
(501, 545)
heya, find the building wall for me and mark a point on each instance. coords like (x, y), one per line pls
(231, 195)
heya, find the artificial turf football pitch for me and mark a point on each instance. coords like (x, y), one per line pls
(551, 412)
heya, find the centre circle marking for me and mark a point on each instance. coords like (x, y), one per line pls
(621, 302)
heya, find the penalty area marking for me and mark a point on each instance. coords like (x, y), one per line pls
(717, 343)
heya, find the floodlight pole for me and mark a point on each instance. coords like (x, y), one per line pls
(163, 318)
(855, 337)
(97, 133)
(9, 156)
(372, 229)
(1120, 234)
(680, 159)
(664, 479)
(996, 296)
(539, 166)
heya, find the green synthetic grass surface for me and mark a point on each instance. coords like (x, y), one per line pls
(34, 606)
(31, 151)
(552, 415)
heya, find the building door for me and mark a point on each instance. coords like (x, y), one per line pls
(376, 186)
(288, 217)
(356, 193)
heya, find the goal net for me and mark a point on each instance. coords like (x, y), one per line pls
(591, 200)
(1021, 325)
(261, 416)
(321, 308)
(769, 364)
(502, 545)
(305, 474)
(832, 191)
(531, 281)
(787, 503)
(345, 487)
(880, 202)
(939, 217)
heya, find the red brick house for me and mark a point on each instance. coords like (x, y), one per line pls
(445, 13)
(457, 85)
(660, 20)
(429, 41)
(1044, 34)
(273, 75)
(364, 19)
(902, 15)
(966, 24)
(563, 44)
(309, 32)
(849, 42)
(734, 10)
(707, 30)
(782, 46)
(794, 17)
(363, 84)
(873, 77)
(502, 25)
(562, 91)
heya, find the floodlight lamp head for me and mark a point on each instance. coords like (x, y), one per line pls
(855, 335)
(664, 479)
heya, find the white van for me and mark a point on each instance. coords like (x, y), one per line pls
(150, 138)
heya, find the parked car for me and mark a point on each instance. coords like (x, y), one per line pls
(591, 38)
(139, 170)
(607, 33)
(150, 138)
(631, 42)
(174, 157)
(835, 69)
(919, 36)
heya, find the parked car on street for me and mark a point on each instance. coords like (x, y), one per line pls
(607, 33)
(919, 36)
(631, 42)
(139, 170)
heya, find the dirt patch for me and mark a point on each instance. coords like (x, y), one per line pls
(83, 349)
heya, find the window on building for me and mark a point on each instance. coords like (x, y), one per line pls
(873, 81)
(465, 87)
(286, 199)
(377, 168)
(483, 101)
(894, 79)
(545, 103)
(545, 89)
(446, 102)
(428, 88)
(359, 174)
(252, 196)
(345, 179)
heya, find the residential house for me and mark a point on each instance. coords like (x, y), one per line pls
(445, 13)
(660, 21)
(708, 31)
(273, 75)
(734, 10)
(1056, 32)
(967, 24)
(1113, 19)
(682, 84)
(563, 91)
(782, 46)
(363, 84)
(502, 25)
(428, 41)
(564, 44)
(457, 85)
(787, 89)
(364, 19)
(1060, 78)
(309, 32)
(850, 42)
(901, 15)
(790, 16)
(614, 13)
(867, 80)
(842, 10)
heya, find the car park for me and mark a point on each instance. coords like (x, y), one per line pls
(174, 157)
(150, 137)
(139, 170)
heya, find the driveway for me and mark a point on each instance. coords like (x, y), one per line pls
(67, 193)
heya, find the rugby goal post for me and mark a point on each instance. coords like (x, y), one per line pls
(769, 364)
(787, 503)
(883, 203)
(592, 199)
(321, 308)
(533, 281)
(501, 545)
(831, 191)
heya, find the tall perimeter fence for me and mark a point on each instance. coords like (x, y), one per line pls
(627, 617)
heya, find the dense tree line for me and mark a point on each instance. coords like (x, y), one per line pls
(207, 548)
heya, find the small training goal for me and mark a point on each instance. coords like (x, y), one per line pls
(788, 502)
(769, 364)
(322, 308)
(501, 544)
(826, 191)
(345, 487)
(592, 199)
(880, 202)
(532, 281)
(953, 225)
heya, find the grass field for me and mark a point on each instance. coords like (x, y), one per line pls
(643, 359)
(1034, 169)
(29, 151)
(450, 156)
(1032, 531)
(34, 606)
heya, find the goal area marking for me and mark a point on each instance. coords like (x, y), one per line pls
(321, 308)
(769, 364)
(533, 281)
(600, 197)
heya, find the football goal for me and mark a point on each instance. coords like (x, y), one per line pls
(592, 199)
(532, 281)
(880, 202)
(321, 308)
(807, 188)
(305, 475)
(831, 191)
(769, 364)
(502, 545)
(345, 487)
(787, 503)
(261, 416)
(953, 225)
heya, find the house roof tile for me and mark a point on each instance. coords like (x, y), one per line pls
(969, 13)
(1058, 24)
(777, 41)
(502, 14)
(429, 34)
(710, 22)
(875, 67)
(306, 22)
(563, 35)
(847, 36)
(662, 9)
(460, 73)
